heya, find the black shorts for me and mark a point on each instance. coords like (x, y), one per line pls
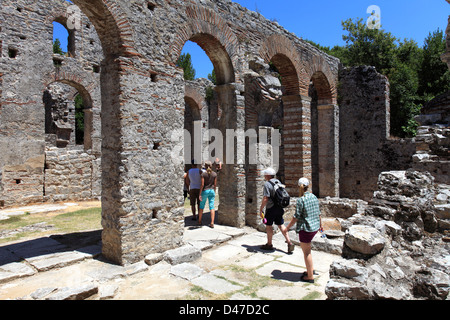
(274, 214)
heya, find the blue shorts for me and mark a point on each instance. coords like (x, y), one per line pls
(210, 195)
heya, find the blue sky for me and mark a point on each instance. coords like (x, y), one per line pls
(320, 20)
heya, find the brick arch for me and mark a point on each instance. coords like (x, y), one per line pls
(194, 96)
(82, 83)
(206, 28)
(283, 54)
(85, 89)
(323, 88)
(324, 80)
(112, 26)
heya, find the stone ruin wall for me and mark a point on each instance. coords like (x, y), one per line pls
(39, 161)
(139, 98)
(366, 148)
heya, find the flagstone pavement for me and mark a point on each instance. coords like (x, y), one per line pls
(221, 263)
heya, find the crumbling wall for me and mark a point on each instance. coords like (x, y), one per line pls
(366, 148)
(395, 249)
(143, 101)
(31, 81)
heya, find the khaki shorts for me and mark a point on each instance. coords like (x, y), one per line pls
(194, 196)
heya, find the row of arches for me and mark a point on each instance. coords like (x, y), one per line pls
(129, 123)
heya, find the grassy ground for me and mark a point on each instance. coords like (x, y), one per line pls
(30, 226)
(36, 225)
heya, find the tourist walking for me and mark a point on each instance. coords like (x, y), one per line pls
(207, 192)
(273, 213)
(194, 181)
(309, 222)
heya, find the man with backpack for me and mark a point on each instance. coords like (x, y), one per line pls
(275, 199)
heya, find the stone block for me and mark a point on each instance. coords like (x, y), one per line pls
(186, 253)
(364, 239)
(81, 292)
(186, 271)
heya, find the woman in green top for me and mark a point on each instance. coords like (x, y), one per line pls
(307, 217)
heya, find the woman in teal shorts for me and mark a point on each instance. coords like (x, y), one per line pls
(208, 192)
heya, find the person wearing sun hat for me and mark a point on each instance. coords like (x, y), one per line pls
(307, 217)
(274, 212)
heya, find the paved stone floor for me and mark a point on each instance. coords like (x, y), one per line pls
(229, 266)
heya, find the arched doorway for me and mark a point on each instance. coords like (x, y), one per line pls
(324, 136)
(221, 46)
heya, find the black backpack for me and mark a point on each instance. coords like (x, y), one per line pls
(281, 196)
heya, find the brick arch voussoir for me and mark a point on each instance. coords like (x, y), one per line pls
(112, 26)
(85, 85)
(280, 45)
(195, 96)
(324, 79)
(58, 11)
(202, 21)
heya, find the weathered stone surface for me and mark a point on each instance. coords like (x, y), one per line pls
(349, 269)
(106, 292)
(81, 292)
(186, 253)
(214, 284)
(186, 271)
(56, 260)
(337, 290)
(15, 270)
(365, 240)
(153, 258)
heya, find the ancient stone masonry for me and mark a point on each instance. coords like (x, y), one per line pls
(366, 148)
(121, 61)
(142, 102)
(391, 250)
(37, 99)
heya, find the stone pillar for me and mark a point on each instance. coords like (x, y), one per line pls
(142, 198)
(328, 138)
(231, 179)
(296, 141)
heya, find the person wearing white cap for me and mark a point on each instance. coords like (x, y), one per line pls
(307, 217)
(274, 212)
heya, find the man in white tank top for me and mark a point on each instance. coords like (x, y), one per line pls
(194, 182)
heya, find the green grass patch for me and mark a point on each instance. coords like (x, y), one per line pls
(82, 220)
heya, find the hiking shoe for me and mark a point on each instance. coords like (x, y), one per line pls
(267, 247)
(291, 248)
(303, 279)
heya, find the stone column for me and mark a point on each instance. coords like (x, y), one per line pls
(328, 136)
(296, 141)
(142, 198)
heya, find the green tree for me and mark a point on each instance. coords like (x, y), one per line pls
(434, 73)
(364, 46)
(416, 74)
(185, 62)
(79, 119)
(212, 77)
(57, 47)
(404, 99)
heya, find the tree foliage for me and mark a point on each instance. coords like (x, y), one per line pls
(212, 77)
(416, 74)
(185, 62)
(57, 47)
(79, 119)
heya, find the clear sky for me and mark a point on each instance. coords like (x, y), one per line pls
(320, 20)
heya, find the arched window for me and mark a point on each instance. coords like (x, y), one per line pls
(63, 38)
